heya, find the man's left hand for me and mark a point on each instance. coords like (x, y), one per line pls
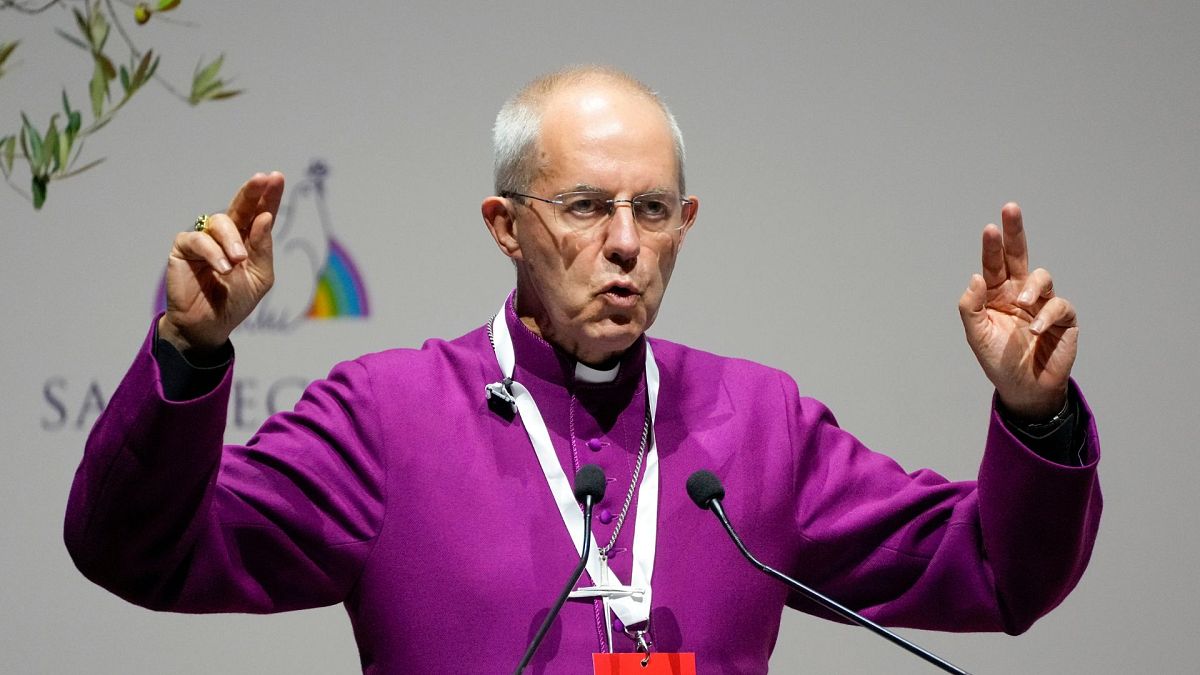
(1024, 336)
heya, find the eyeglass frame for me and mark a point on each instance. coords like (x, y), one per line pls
(557, 200)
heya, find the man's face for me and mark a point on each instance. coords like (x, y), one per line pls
(593, 292)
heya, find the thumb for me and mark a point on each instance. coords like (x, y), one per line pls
(971, 307)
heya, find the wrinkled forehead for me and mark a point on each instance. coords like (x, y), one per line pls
(607, 130)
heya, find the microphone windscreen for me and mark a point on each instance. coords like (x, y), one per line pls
(703, 487)
(589, 481)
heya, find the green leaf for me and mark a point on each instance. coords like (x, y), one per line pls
(207, 74)
(53, 161)
(9, 148)
(167, 5)
(6, 49)
(39, 191)
(65, 141)
(125, 80)
(143, 67)
(224, 94)
(208, 90)
(99, 28)
(35, 151)
(98, 88)
(153, 68)
(74, 122)
(82, 22)
(73, 40)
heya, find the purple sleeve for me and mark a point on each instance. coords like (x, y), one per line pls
(164, 516)
(913, 549)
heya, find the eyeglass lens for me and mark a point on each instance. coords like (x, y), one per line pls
(653, 211)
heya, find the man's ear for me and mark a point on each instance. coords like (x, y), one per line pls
(689, 217)
(499, 214)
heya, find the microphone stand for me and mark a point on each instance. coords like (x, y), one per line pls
(830, 604)
(562, 597)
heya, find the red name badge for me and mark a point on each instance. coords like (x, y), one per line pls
(630, 663)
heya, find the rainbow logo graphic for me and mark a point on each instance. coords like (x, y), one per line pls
(304, 289)
(340, 290)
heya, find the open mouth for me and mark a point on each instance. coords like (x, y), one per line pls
(620, 290)
(620, 294)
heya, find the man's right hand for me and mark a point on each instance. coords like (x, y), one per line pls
(215, 278)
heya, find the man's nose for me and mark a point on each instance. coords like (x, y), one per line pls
(622, 238)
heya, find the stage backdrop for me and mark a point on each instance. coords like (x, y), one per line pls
(847, 156)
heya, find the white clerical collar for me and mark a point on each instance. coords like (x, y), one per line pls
(590, 375)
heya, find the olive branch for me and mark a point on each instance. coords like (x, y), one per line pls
(56, 153)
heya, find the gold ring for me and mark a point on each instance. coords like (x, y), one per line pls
(201, 223)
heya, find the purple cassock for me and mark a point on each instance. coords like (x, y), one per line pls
(395, 489)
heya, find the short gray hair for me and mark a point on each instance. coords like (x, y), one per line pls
(518, 124)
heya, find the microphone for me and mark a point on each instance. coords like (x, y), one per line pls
(589, 482)
(589, 489)
(706, 491)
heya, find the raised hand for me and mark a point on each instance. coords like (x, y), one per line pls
(216, 277)
(1024, 336)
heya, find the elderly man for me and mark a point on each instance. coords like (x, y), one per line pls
(424, 489)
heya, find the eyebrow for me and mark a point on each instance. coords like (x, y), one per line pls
(585, 187)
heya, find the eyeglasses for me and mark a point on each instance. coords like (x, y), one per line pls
(583, 210)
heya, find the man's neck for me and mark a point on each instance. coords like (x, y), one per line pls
(595, 359)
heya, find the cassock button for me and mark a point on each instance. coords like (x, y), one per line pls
(605, 516)
(594, 444)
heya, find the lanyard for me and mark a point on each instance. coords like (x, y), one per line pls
(631, 603)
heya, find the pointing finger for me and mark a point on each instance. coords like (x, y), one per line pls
(256, 193)
(244, 205)
(272, 193)
(1016, 254)
(994, 270)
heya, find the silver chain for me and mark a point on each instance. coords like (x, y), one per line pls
(633, 482)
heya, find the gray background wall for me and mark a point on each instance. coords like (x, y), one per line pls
(847, 155)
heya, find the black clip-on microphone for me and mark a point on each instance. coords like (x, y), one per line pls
(705, 490)
(589, 489)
